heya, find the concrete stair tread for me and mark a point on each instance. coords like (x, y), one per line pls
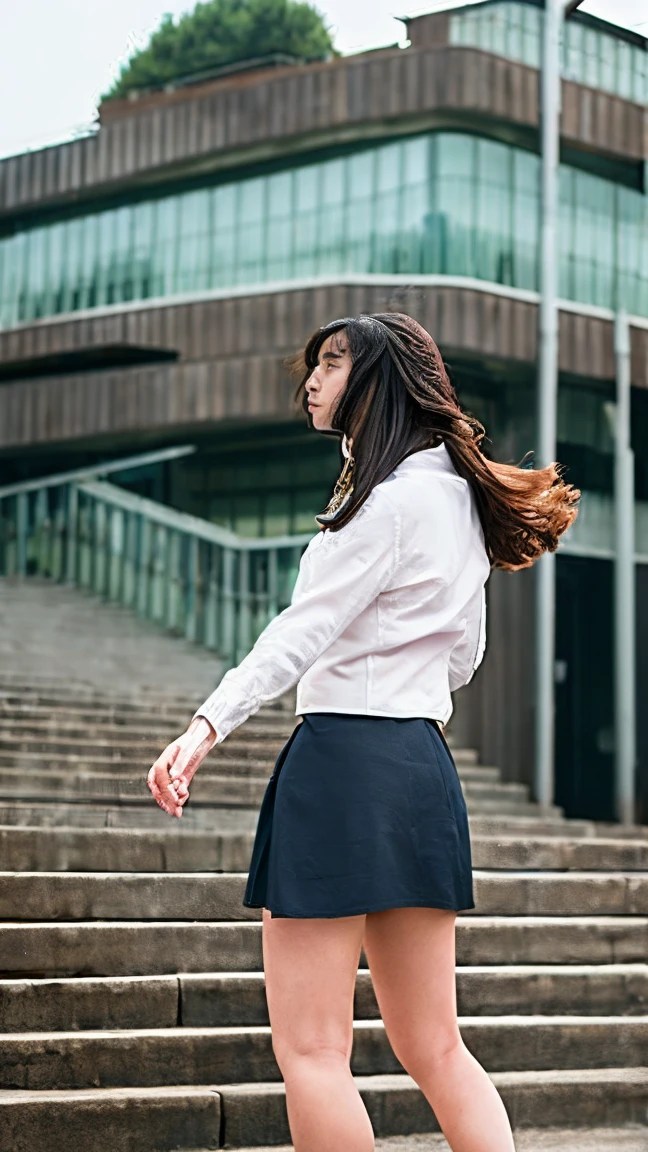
(214, 999)
(209, 792)
(594, 1097)
(243, 1053)
(104, 708)
(77, 947)
(531, 1140)
(631, 1077)
(41, 770)
(53, 812)
(206, 895)
(183, 1032)
(505, 853)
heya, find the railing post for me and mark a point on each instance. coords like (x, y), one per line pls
(272, 603)
(211, 600)
(57, 552)
(143, 566)
(96, 546)
(244, 613)
(228, 607)
(72, 529)
(129, 580)
(191, 595)
(175, 550)
(21, 533)
(158, 598)
(42, 536)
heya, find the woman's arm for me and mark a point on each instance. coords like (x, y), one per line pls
(340, 574)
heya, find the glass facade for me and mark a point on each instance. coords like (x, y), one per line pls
(444, 202)
(589, 55)
(260, 489)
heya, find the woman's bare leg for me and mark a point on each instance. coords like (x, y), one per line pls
(310, 972)
(411, 955)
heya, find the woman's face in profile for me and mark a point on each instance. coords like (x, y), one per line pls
(328, 379)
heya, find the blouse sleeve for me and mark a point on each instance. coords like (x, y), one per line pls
(340, 574)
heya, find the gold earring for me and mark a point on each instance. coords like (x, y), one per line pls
(343, 486)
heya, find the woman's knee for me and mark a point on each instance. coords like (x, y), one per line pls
(294, 1051)
(424, 1055)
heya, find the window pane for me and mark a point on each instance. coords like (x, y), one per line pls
(435, 203)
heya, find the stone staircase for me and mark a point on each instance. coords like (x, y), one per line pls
(132, 1005)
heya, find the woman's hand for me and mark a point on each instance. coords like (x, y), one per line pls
(169, 778)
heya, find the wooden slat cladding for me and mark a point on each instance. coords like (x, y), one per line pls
(232, 355)
(155, 397)
(469, 320)
(430, 30)
(604, 122)
(251, 117)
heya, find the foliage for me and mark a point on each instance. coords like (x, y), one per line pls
(220, 32)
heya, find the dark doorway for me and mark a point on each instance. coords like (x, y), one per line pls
(584, 687)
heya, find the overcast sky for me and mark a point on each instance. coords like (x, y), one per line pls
(58, 56)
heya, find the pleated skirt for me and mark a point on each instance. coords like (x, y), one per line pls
(361, 813)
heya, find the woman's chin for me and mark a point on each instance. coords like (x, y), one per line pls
(319, 422)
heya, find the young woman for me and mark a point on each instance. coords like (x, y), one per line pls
(362, 837)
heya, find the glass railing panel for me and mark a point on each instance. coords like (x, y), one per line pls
(187, 576)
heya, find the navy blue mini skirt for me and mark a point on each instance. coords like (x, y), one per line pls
(360, 814)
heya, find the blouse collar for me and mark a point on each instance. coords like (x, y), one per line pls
(438, 457)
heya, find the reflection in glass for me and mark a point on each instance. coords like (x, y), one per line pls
(444, 203)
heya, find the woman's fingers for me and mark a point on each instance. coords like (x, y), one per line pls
(169, 778)
(161, 786)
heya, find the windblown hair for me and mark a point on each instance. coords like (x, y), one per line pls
(398, 399)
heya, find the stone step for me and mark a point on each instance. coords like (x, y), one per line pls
(256, 761)
(83, 813)
(261, 747)
(156, 1056)
(632, 1139)
(149, 714)
(89, 785)
(251, 1115)
(123, 747)
(43, 949)
(135, 816)
(89, 703)
(94, 786)
(273, 719)
(172, 848)
(227, 999)
(75, 723)
(107, 1120)
(395, 1104)
(217, 896)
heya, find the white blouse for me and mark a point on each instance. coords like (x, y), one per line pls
(388, 614)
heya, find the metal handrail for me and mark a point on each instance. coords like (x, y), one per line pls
(104, 469)
(184, 521)
(193, 578)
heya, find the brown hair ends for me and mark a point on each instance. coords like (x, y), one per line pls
(399, 399)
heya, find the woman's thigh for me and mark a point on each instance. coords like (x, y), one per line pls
(411, 956)
(310, 970)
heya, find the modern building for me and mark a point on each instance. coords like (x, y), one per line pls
(156, 274)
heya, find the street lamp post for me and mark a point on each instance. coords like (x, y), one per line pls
(624, 582)
(547, 391)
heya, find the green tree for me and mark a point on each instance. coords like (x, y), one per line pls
(220, 32)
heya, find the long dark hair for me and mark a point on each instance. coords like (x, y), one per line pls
(398, 399)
